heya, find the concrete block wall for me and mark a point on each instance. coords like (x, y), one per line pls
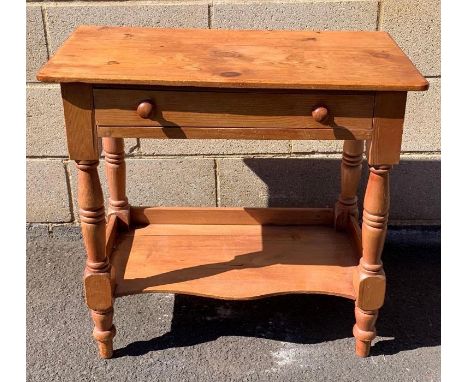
(235, 173)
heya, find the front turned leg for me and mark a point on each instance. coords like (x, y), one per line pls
(351, 166)
(98, 277)
(369, 280)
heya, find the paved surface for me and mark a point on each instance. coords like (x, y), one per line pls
(289, 338)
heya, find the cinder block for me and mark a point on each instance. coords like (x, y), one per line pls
(71, 232)
(36, 48)
(47, 199)
(35, 231)
(415, 186)
(162, 182)
(422, 120)
(310, 147)
(314, 182)
(278, 182)
(45, 125)
(415, 25)
(317, 15)
(62, 19)
(171, 182)
(421, 130)
(211, 147)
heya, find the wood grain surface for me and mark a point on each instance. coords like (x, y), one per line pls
(389, 113)
(230, 133)
(231, 215)
(233, 59)
(247, 109)
(234, 262)
(80, 125)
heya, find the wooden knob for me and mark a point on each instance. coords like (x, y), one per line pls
(320, 114)
(144, 109)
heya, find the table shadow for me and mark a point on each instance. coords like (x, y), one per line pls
(410, 318)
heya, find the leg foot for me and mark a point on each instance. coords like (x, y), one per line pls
(362, 348)
(104, 332)
(364, 330)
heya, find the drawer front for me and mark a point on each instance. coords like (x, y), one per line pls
(155, 108)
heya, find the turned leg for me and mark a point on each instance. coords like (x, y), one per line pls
(98, 272)
(351, 166)
(369, 281)
(114, 154)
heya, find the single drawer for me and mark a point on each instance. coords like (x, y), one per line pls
(236, 109)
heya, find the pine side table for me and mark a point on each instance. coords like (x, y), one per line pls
(122, 82)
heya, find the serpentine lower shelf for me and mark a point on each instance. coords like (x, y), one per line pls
(233, 253)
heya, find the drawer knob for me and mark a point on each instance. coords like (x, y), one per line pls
(320, 114)
(145, 108)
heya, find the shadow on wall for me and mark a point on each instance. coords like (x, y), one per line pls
(312, 182)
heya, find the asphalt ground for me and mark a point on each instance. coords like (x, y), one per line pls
(162, 337)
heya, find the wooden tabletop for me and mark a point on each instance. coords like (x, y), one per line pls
(233, 59)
